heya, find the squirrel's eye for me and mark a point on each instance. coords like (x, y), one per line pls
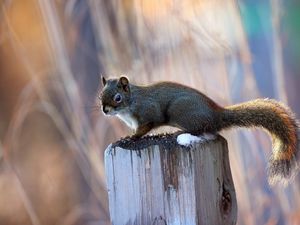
(117, 98)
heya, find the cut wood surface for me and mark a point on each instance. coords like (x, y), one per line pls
(154, 180)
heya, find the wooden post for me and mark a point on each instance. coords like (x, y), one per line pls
(155, 181)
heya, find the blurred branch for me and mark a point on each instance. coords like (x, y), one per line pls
(279, 81)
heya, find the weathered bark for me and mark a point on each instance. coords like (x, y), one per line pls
(161, 182)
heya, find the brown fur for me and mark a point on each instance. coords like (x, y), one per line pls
(279, 121)
(167, 103)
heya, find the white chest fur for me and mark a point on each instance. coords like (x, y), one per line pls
(128, 119)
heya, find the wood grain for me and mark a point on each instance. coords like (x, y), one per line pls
(171, 184)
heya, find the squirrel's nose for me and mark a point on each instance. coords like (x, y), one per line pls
(105, 109)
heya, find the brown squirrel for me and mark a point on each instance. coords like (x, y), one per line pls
(165, 103)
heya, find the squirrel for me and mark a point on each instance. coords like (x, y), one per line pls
(143, 108)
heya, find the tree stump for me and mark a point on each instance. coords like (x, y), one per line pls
(154, 180)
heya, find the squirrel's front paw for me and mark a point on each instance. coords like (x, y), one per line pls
(131, 137)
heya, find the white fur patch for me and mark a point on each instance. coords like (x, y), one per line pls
(187, 139)
(128, 119)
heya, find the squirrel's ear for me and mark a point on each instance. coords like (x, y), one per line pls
(124, 82)
(103, 80)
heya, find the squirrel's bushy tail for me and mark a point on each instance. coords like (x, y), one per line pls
(281, 124)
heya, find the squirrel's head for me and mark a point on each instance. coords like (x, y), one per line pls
(115, 95)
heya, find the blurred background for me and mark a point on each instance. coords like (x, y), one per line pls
(52, 134)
